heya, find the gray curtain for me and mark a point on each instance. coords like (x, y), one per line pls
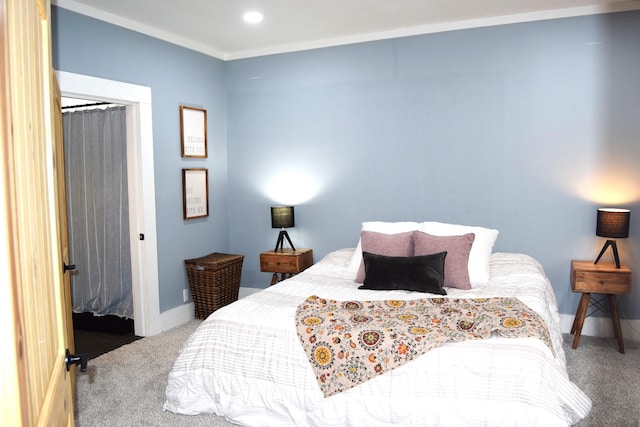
(98, 211)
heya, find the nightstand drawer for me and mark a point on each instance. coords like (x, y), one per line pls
(279, 264)
(286, 261)
(600, 278)
(603, 283)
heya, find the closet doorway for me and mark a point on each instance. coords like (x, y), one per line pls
(141, 187)
(95, 160)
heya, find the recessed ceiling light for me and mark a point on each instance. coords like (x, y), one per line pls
(253, 17)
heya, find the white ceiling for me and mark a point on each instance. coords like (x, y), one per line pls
(215, 27)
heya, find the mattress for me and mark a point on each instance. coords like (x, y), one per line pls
(246, 363)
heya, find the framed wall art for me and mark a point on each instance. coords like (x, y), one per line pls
(193, 132)
(195, 193)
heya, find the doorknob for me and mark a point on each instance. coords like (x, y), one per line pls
(66, 267)
(76, 359)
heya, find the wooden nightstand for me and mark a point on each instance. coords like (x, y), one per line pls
(602, 278)
(286, 262)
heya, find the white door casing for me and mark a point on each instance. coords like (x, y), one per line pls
(142, 213)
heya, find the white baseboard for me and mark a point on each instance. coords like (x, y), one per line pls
(602, 327)
(183, 313)
(177, 316)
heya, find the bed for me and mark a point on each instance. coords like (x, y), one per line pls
(246, 362)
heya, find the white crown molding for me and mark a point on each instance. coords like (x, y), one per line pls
(618, 6)
(137, 27)
(74, 6)
(441, 27)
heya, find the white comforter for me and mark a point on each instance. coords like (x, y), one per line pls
(246, 363)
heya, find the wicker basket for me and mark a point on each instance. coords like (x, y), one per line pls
(214, 281)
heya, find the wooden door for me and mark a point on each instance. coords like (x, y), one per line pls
(36, 387)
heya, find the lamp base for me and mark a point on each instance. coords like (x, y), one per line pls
(280, 242)
(614, 248)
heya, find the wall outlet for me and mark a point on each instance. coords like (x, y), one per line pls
(185, 295)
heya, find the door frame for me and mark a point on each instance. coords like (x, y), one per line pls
(141, 184)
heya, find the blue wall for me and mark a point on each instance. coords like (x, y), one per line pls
(526, 128)
(176, 76)
(509, 127)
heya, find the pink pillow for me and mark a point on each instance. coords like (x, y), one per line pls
(481, 249)
(400, 244)
(456, 263)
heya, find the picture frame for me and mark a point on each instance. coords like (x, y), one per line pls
(193, 132)
(195, 193)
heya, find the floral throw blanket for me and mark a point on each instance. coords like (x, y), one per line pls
(349, 342)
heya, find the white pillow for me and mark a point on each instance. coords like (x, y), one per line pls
(481, 248)
(379, 227)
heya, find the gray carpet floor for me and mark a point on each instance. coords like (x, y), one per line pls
(126, 387)
(609, 378)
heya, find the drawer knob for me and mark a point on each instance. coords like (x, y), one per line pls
(601, 282)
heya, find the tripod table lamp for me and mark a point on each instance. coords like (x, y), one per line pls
(282, 217)
(612, 223)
